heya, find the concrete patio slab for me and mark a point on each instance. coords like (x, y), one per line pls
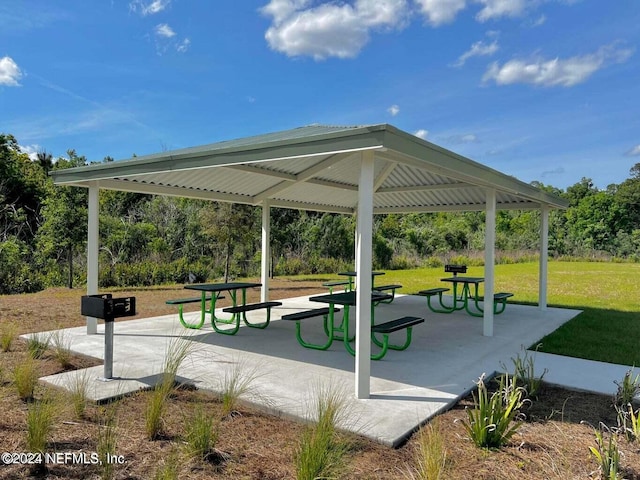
(446, 357)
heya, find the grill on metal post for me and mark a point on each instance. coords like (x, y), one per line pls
(108, 308)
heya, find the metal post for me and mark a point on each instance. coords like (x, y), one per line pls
(489, 262)
(266, 251)
(544, 257)
(108, 348)
(92, 252)
(364, 259)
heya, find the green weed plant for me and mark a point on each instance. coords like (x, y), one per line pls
(607, 455)
(495, 417)
(628, 388)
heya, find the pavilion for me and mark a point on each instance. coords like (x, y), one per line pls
(361, 170)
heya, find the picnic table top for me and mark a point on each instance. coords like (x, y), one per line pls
(463, 279)
(348, 298)
(217, 287)
(354, 273)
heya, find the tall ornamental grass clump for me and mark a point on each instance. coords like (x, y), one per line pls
(321, 453)
(8, 333)
(41, 415)
(495, 417)
(107, 440)
(430, 454)
(177, 351)
(25, 378)
(201, 433)
(37, 344)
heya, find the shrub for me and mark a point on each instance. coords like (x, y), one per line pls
(493, 420)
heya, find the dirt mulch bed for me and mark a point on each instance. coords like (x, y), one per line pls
(552, 444)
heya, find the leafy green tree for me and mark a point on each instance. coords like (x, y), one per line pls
(64, 230)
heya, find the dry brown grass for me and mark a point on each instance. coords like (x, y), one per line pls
(553, 444)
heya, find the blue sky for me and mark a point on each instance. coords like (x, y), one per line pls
(545, 90)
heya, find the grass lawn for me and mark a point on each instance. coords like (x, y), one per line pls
(608, 330)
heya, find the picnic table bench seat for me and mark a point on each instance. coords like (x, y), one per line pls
(181, 301)
(393, 326)
(431, 292)
(242, 309)
(386, 288)
(499, 301)
(316, 312)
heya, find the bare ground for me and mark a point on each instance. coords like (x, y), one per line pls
(553, 443)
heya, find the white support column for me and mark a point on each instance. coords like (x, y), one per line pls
(489, 262)
(92, 251)
(266, 250)
(364, 259)
(544, 257)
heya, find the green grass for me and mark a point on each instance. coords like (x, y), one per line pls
(608, 330)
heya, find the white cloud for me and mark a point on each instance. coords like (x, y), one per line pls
(393, 110)
(556, 72)
(329, 29)
(438, 12)
(478, 49)
(422, 133)
(501, 8)
(31, 150)
(538, 21)
(164, 30)
(10, 73)
(635, 151)
(183, 46)
(148, 8)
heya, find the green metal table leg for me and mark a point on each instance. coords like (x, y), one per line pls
(195, 326)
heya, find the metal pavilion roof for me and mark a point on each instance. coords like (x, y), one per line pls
(317, 167)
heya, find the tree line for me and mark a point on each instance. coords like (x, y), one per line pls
(150, 240)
